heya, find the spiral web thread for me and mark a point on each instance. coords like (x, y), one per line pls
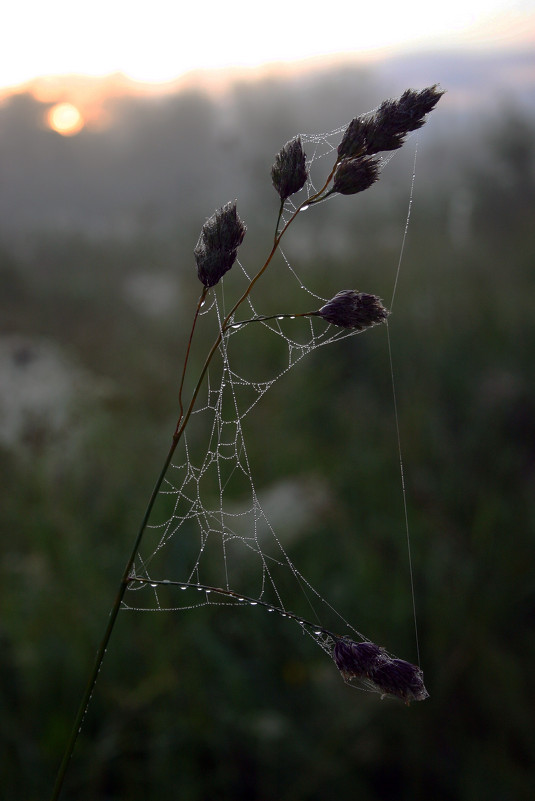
(212, 531)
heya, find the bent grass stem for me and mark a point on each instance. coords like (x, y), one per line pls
(184, 367)
(109, 629)
(179, 430)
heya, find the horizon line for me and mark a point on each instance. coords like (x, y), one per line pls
(217, 79)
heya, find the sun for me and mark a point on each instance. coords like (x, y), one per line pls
(65, 119)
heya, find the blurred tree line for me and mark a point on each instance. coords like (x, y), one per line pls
(233, 704)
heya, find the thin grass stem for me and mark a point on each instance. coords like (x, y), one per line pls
(281, 209)
(199, 306)
(101, 652)
(179, 430)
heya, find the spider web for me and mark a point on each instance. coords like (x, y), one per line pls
(210, 531)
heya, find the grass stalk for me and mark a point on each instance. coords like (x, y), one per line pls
(179, 430)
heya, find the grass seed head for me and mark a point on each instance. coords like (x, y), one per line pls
(289, 173)
(388, 675)
(396, 118)
(217, 248)
(351, 309)
(355, 659)
(355, 175)
(399, 678)
(355, 139)
(388, 127)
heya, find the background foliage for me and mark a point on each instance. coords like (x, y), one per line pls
(234, 704)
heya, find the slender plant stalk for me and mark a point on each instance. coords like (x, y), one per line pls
(227, 321)
(281, 209)
(109, 629)
(184, 368)
(179, 430)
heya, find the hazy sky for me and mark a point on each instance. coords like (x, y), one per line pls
(161, 40)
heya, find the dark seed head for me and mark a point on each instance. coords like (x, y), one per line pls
(414, 105)
(399, 678)
(355, 175)
(355, 139)
(223, 230)
(388, 127)
(388, 675)
(213, 264)
(350, 309)
(289, 173)
(356, 660)
(217, 248)
(394, 119)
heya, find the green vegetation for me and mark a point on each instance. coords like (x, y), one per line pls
(220, 704)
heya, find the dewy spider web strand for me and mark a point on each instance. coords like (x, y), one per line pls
(216, 522)
(396, 415)
(215, 455)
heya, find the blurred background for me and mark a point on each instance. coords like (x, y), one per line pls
(121, 130)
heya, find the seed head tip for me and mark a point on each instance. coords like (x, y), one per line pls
(386, 674)
(289, 173)
(387, 128)
(217, 247)
(351, 309)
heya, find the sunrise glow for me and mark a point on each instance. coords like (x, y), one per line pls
(163, 42)
(65, 119)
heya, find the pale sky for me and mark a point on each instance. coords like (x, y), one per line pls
(160, 40)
